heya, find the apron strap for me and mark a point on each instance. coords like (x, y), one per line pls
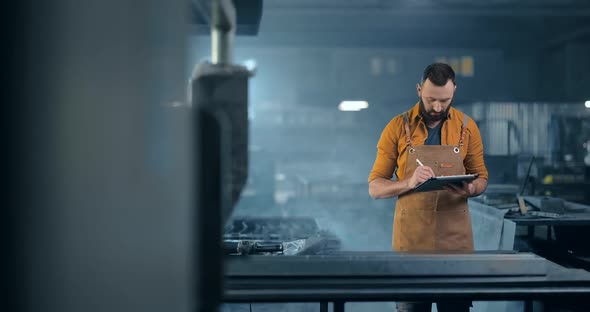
(463, 130)
(407, 129)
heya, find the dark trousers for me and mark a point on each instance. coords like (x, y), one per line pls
(445, 306)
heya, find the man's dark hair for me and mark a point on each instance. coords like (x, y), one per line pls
(439, 74)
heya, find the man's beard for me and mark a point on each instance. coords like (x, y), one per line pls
(428, 118)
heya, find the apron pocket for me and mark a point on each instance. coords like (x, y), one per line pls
(453, 230)
(415, 230)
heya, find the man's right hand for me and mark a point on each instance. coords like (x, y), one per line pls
(386, 188)
(421, 174)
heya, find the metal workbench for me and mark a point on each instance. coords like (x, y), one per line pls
(398, 277)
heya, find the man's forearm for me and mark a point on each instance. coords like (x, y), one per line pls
(480, 186)
(383, 188)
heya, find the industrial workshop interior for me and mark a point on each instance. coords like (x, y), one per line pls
(298, 155)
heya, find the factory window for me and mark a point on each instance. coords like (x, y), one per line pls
(463, 66)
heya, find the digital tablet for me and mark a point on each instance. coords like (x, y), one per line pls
(437, 183)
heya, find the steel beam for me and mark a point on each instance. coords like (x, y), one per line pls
(391, 265)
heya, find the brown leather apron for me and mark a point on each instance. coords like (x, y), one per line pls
(437, 220)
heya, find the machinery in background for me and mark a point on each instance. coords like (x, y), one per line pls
(512, 175)
(562, 166)
(569, 181)
(509, 176)
(531, 205)
(277, 236)
(568, 173)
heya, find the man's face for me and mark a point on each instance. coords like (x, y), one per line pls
(435, 101)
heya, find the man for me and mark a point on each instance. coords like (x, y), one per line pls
(431, 139)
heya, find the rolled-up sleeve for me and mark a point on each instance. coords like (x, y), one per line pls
(474, 162)
(386, 160)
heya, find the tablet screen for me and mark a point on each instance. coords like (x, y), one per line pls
(437, 183)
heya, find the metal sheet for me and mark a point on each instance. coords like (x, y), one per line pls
(487, 223)
(391, 265)
(508, 235)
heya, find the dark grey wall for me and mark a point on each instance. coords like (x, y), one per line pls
(577, 79)
(564, 73)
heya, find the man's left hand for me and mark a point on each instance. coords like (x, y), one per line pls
(466, 191)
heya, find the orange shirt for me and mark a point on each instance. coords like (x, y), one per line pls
(391, 148)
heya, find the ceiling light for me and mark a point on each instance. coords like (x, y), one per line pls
(250, 64)
(352, 106)
(587, 104)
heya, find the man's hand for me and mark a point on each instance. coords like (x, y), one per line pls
(466, 191)
(421, 174)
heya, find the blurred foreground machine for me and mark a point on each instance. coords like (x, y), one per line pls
(219, 102)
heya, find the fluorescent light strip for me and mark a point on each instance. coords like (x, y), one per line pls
(352, 106)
